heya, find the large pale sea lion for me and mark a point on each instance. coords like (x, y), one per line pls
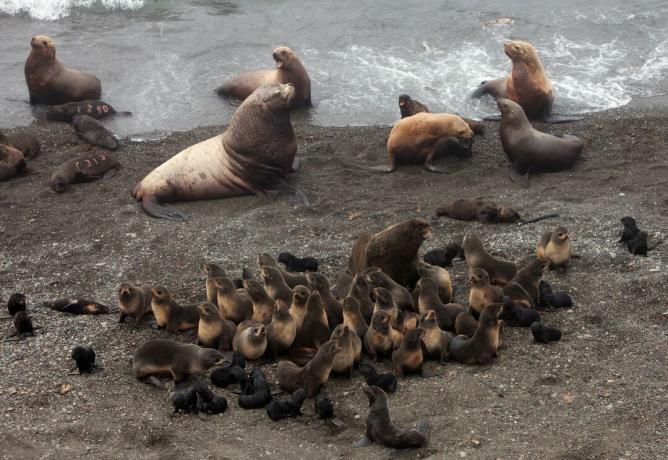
(253, 155)
(50, 82)
(289, 69)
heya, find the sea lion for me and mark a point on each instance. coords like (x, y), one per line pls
(377, 279)
(133, 301)
(91, 131)
(289, 69)
(279, 409)
(500, 271)
(212, 271)
(158, 357)
(86, 168)
(298, 306)
(379, 426)
(50, 82)
(282, 330)
(527, 84)
(351, 350)
(436, 340)
(409, 107)
(275, 285)
(482, 293)
(428, 300)
(465, 324)
(169, 314)
(253, 155)
(93, 108)
(263, 305)
(360, 291)
(481, 348)
(530, 150)
(234, 305)
(25, 143)
(315, 328)
(440, 276)
(555, 248)
(333, 307)
(250, 340)
(443, 257)
(394, 250)
(79, 306)
(423, 137)
(291, 279)
(213, 331)
(352, 317)
(408, 357)
(380, 339)
(295, 264)
(313, 375)
(523, 288)
(12, 162)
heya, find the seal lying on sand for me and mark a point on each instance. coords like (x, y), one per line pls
(93, 108)
(253, 155)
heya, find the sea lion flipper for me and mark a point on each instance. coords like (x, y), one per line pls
(431, 168)
(296, 164)
(422, 425)
(382, 168)
(492, 118)
(110, 173)
(153, 208)
(362, 442)
(523, 180)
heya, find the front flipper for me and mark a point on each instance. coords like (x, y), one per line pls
(362, 442)
(383, 169)
(431, 168)
(110, 173)
(422, 425)
(152, 207)
(521, 179)
(492, 118)
(296, 165)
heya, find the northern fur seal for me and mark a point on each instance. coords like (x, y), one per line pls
(214, 331)
(25, 143)
(169, 314)
(436, 341)
(351, 350)
(289, 69)
(91, 131)
(158, 357)
(133, 301)
(93, 108)
(555, 247)
(296, 264)
(352, 317)
(409, 107)
(233, 304)
(334, 309)
(212, 271)
(408, 357)
(263, 305)
(12, 162)
(440, 276)
(482, 293)
(523, 288)
(380, 339)
(282, 330)
(291, 279)
(313, 375)
(50, 82)
(376, 278)
(315, 328)
(86, 168)
(78, 306)
(298, 306)
(531, 150)
(428, 300)
(275, 285)
(250, 340)
(425, 136)
(486, 211)
(500, 271)
(481, 348)
(253, 155)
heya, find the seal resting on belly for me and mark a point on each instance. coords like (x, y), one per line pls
(253, 155)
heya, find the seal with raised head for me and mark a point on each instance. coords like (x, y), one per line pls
(86, 168)
(133, 301)
(289, 69)
(408, 358)
(436, 341)
(282, 331)
(25, 143)
(523, 288)
(360, 291)
(500, 271)
(91, 131)
(313, 375)
(275, 285)
(481, 348)
(214, 331)
(351, 350)
(334, 309)
(298, 306)
(253, 155)
(555, 247)
(93, 108)
(212, 271)
(409, 106)
(291, 279)
(380, 339)
(12, 162)
(428, 299)
(440, 276)
(376, 278)
(315, 328)
(482, 293)
(235, 305)
(50, 82)
(530, 150)
(169, 314)
(352, 317)
(263, 305)
(250, 339)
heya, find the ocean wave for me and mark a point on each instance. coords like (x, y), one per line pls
(55, 9)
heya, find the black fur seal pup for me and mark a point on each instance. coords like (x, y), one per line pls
(386, 381)
(311, 377)
(481, 348)
(443, 257)
(85, 359)
(544, 334)
(261, 394)
(279, 409)
(79, 306)
(208, 402)
(295, 264)
(548, 299)
(16, 303)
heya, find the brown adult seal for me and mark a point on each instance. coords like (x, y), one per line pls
(291, 279)
(530, 150)
(263, 305)
(133, 301)
(86, 168)
(12, 162)
(213, 331)
(282, 331)
(423, 137)
(315, 329)
(394, 250)
(481, 348)
(253, 155)
(351, 350)
(436, 340)
(313, 375)
(440, 276)
(212, 271)
(250, 340)
(93, 132)
(523, 288)
(428, 299)
(482, 293)
(93, 108)
(158, 357)
(50, 82)
(408, 358)
(377, 279)
(289, 69)
(333, 307)
(169, 314)
(555, 247)
(486, 211)
(352, 317)
(275, 285)
(25, 143)
(380, 339)
(235, 305)
(500, 271)
(298, 306)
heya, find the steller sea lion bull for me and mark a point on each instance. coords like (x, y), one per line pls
(253, 155)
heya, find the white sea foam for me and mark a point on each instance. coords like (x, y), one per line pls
(55, 9)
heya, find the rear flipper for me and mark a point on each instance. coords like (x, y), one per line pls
(152, 207)
(522, 179)
(362, 442)
(297, 191)
(383, 169)
(422, 425)
(110, 173)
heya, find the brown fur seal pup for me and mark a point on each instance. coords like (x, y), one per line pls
(212, 271)
(380, 339)
(409, 107)
(282, 331)
(436, 340)
(12, 162)
(379, 426)
(360, 291)
(213, 331)
(250, 340)
(298, 306)
(555, 247)
(408, 358)
(263, 305)
(523, 288)
(93, 108)
(289, 69)
(171, 315)
(428, 299)
(376, 278)
(394, 250)
(291, 279)
(500, 271)
(440, 276)
(274, 284)
(352, 317)
(351, 350)
(425, 136)
(315, 328)
(158, 357)
(333, 307)
(235, 305)
(400, 320)
(91, 131)
(466, 324)
(482, 293)
(133, 301)
(341, 284)
(86, 168)
(253, 155)
(311, 377)
(481, 348)
(50, 82)
(527, 84)
(25, 143)
(530, 150)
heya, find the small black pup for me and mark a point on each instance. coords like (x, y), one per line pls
(549, 299)
(324, 406)
(295, 264)
(184, 399)
(518, 316)
(23, 324)
(630, 229)
(208, 402)
(544, 334)
(85, 359)
(638, 245)
(387, 381)
(443, 257)
(16, 303)
(261, 393)
(289, 407)
(238, 359)
(224, 376)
